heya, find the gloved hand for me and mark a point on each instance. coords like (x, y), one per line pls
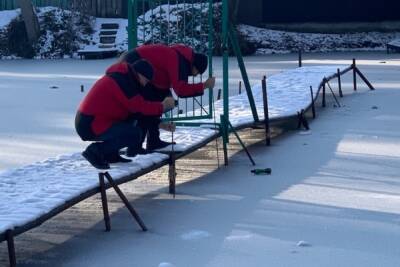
(168, 126)
(168, 103)
(209, 83)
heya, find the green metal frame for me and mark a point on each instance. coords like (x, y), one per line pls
(228, 34)
(228, 38)
(150, 28)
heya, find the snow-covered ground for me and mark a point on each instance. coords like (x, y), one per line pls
(272, 41)
(334, 192)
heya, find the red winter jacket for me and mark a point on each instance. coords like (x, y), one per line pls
(112, 99)
(172, 67)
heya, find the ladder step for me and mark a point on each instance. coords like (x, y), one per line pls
(107, 40)
(109, 26)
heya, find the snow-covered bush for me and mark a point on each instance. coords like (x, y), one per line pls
(272, 41)
(17, 40)
(188, 24)
(3, 43)
(62, 32)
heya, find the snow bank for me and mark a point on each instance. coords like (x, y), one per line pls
(395, 42)
(7, 16)
(272, 41)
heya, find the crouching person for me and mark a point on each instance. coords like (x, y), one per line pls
(172, 67)
(105, 114)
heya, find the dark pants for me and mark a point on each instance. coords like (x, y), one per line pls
(150, 124)
(120, 135)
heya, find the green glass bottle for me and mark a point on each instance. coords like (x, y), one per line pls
(265, 171)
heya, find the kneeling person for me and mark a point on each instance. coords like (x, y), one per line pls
(172, 67)
(104, 116)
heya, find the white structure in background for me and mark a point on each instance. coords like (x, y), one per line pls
(109, 39)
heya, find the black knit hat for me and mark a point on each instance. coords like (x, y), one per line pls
(143, 67)
(200, 61)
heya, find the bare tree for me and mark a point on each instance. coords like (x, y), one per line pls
(31, 20)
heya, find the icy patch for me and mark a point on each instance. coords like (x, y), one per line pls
(166, 264)
(195, 235)
(308, 132)
(239, 237)
(303, 243)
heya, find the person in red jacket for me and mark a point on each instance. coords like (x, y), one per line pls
(104, 116)
(172, 67)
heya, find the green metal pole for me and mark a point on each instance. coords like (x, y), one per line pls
(132, 24)
(143, 21)
(134, 29)
(225, 55)
(224, 135)
(236, 48)
(210, 53)
(225, 66)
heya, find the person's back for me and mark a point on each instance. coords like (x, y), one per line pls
(108, 102)
(172, 67)
(104, 116)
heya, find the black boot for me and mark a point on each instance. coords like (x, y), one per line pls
(95, 157)
(157, 144)
(116, 158)
(153, 136)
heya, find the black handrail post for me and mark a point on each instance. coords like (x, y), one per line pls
(125, 201)
(219, 94)
(172, 173)
(224, 134)
(104, 202)
(364, 79)
(312, 103)
(323, 93)
(266, 112)
(339, 83)
(300, 59)
(11, 248)
(354, 75)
